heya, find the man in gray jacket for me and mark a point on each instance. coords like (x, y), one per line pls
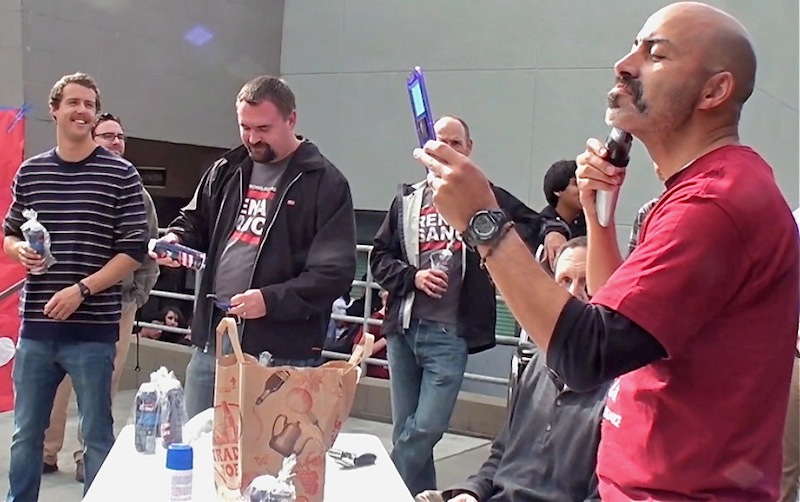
(136, 288)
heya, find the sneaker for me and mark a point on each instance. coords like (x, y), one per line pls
(79, 471)
(49, 468)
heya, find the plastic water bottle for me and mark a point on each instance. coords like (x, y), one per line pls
(188, 257)
(35, 239)
(173, 417)
(180, 460)
(147, 418)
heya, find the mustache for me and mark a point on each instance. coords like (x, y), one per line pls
(635, 88)
(633, 85)
(269, 153)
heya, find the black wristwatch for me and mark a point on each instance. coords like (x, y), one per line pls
(484, 227)
(85, 292)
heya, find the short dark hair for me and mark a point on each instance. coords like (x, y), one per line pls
(83, 79)
(459, 120)
(575, 242)
(105, 117)
(268, 88)
(556, 179)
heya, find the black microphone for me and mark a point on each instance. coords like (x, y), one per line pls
(618, 145)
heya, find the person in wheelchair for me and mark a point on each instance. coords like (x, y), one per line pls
(548, 447)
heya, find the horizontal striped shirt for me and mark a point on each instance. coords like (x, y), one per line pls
(641, 215)
(93, 210)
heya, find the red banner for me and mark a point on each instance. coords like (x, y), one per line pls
(12, 141)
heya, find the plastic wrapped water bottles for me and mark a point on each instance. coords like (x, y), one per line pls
(278, 488)
(38, 238)
(188, 257)
(147, 418)
(159, 412)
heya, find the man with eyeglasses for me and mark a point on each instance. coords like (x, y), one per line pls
(109, 134)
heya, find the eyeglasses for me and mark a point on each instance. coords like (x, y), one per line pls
(111, 136)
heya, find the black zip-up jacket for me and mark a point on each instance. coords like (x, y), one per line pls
(392, 269)
(306, 257)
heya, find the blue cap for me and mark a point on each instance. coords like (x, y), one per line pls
(179, 457)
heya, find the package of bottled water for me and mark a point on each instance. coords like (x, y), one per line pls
(38, 238)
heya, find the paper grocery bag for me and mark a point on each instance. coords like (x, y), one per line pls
(263, 415)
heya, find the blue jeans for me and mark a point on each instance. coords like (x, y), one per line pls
(426, 365)
(202, 368)
(39, 367)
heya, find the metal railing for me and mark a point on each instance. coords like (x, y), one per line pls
(368, 285)
(12, 289)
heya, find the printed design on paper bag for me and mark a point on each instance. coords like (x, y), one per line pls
(226, 443)
(272, 385)
(307, 472)
(230, 387)
(262, 460)
(337, 427)
(286, 436)
(300, 401)
(312, 381)
(338, 389)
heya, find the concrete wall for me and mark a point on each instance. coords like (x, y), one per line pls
(11, 53)
(529, 77)
(170, 69)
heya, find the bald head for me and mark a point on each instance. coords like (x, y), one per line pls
(454, 131)
(718, 40)
(691, 68)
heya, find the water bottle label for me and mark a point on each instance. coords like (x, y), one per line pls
(181, 486)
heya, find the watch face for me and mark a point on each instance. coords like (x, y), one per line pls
(484, 225)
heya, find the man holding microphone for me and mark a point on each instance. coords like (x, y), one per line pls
(700, 321)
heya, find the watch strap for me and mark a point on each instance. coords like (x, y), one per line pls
(492, 245)
(85, 291)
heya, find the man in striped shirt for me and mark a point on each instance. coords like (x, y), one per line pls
(90, 200)
(136, 288)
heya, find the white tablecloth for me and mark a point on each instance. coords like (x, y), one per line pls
(131, 476)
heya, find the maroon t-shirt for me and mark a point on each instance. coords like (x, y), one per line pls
(715, 280)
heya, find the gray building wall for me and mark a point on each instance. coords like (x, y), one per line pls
(167, 82)
(529, 77)
(11, 93)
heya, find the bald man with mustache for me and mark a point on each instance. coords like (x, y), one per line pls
(699, 323)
